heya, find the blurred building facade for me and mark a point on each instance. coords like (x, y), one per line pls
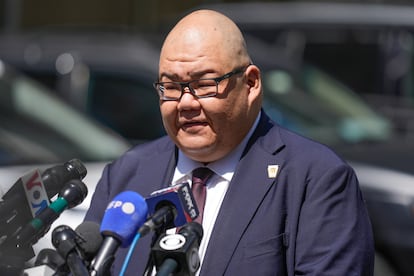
(18, 15)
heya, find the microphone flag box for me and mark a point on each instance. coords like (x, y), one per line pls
(30, 185)
(35, 192)
(180, 196)
(22, 202)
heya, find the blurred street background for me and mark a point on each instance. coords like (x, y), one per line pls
(76, 82)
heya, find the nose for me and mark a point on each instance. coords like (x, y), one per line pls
(188, 100)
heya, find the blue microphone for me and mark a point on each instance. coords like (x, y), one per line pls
(122, 218)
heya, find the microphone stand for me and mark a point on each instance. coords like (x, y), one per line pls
(76, 265)
(102, 264)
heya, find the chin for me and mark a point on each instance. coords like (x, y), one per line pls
(201, 153)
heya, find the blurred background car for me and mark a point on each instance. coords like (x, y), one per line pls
(38, 131)
(106, 75)
(116, 71)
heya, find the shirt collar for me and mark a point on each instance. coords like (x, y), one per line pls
(224, 167)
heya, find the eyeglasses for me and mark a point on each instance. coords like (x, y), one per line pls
(201, 88)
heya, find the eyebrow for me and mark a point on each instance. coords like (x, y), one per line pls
(193, 75)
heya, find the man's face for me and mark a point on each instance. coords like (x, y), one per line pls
(208, 45)
(204, 129)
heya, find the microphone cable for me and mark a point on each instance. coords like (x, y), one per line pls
(129, 254)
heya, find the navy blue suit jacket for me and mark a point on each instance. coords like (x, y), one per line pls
(308, 220)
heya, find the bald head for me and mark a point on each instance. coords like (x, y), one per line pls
(206, 33)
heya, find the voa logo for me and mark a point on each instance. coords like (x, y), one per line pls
(126, 207)
(35, 191)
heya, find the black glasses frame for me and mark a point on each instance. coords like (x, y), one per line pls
(217, 80)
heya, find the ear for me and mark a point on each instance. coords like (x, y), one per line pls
(254, 81)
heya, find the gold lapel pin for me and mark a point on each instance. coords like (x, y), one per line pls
(272, 171)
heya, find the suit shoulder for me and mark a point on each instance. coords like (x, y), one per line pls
(141, 152)
(309, 149)
(150, 148)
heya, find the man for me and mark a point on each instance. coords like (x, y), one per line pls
(278, 203)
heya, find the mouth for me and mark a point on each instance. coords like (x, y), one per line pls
(193, 125)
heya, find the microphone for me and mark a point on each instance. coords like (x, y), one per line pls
(87, 240)
(170, 207)
(55, 177)
(51, 182)
(90, 239)
(23, 201)
(72, 194)
(122, 218)
(177, 254)
(64, 239)
(31, 193)
(26, 199)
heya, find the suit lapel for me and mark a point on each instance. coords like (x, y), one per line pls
(160, 175)
(249, 185)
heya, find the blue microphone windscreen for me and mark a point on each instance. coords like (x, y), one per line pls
(123, 216)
